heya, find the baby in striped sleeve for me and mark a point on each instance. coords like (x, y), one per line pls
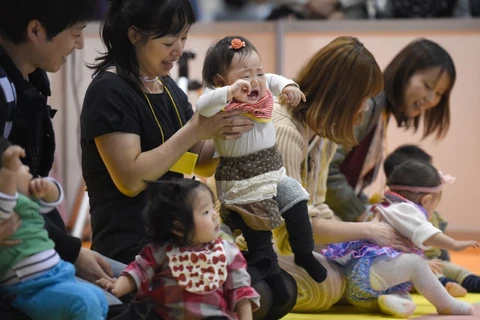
(33, 278)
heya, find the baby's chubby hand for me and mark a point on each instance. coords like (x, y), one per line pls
(239, 90)
(106, 284)
(41, 187)
(11, 158)
(293, 95)
(118, 287)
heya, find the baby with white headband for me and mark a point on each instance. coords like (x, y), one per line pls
(381, 278)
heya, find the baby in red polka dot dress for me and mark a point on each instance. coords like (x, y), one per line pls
(187, 270)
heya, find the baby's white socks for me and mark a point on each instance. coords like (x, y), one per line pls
(387, 273)
(396, 305)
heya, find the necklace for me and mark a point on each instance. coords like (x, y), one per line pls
(147, 79)
(150, 83)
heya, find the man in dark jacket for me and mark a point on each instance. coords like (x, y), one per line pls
(36, 37)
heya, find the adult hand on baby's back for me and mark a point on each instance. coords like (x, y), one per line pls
(7, 229)
(436, 265)
(226, 125)
(384, 235)
(91, 266)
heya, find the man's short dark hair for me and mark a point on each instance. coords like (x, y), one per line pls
(54, 15)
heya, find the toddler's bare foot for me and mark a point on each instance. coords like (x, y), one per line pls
(455, 289)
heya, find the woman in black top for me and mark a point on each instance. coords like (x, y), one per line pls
(134, 127)
(136, 122)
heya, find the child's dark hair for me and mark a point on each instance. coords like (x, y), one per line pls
(4, 144)
(219, 57)
(54, 15)
(169, 208)
(402, 154)
(414, 173)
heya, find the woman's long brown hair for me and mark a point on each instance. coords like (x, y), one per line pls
(419, 55)
(336, 81)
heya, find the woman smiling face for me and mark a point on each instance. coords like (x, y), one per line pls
(157, 56)
(425, 90)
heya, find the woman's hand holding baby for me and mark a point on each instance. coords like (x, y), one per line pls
(293, 95)
(384, 235)
(436, 265)
(7, 229)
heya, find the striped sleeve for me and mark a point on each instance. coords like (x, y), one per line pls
(8, 101)
(7, 203)
(46, 207)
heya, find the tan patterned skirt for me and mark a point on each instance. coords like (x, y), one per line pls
(247, 185)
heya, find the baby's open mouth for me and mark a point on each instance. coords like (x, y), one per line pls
(253, 94)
